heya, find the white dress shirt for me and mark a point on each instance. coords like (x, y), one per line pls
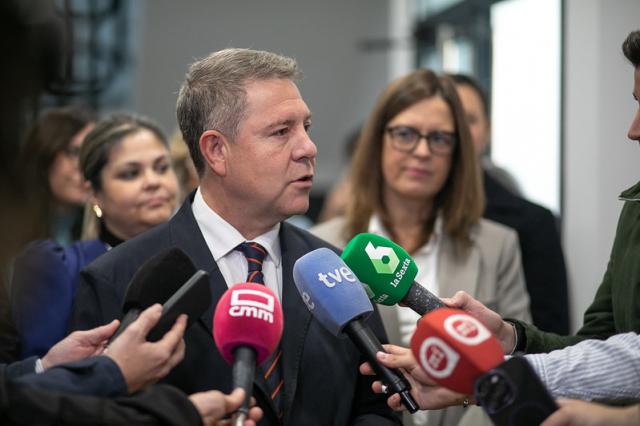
(222, 239)
(426, 258)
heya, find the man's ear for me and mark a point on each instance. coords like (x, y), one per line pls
(214, 150)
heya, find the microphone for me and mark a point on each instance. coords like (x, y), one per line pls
(337, 299)
(454, 348)
(388, 273)
(155, 281)
(247, 327)
(513, 395)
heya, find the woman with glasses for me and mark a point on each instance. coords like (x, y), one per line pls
(50, 164)
(416, 181)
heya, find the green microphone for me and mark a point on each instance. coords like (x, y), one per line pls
(388, 273)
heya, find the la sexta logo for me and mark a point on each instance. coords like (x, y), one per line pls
(252, 304)
(384, 259)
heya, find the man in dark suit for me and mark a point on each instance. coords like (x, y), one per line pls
(542, 258)
(246, 126)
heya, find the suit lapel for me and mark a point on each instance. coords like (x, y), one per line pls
(457, 270)
(296, 315)
(185, 234)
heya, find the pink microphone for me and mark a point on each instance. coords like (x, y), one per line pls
(454, 348)
(247, 327)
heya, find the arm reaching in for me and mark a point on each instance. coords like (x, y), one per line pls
(580, 413)
(214, 405)
(427, 394)
(79, 345)
(142, 362)
(503, 330)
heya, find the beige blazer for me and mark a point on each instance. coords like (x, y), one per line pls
(490, 271)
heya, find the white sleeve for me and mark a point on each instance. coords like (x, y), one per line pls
(592, 369)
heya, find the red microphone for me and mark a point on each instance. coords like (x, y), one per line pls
(454, 348)
(247, 327)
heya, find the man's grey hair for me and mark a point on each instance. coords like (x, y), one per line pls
(213, 95)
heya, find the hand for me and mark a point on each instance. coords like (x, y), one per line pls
(580, 413)
(501, 329)
(79, 345)
(142, 362)
(214, 405)
(427, 393)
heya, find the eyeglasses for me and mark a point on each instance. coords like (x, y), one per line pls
(405, 139)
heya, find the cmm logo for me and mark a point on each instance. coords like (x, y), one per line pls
(252, 304)
(384, 259)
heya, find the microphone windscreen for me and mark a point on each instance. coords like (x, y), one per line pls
(331, 290)
(384, 266)
(454, 348)
(250, 315)
(158, 279)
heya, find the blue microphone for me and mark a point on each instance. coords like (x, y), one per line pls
(337, 299)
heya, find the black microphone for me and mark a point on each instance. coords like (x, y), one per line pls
(155, 281)
(512, 394)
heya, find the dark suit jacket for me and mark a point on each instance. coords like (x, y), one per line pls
(542, 257)
(23, 404)
(322, 383)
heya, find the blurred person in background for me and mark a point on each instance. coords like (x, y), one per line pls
(416, 181)
(50, 164)
(126, 162)
(542, 257)
(183, 165)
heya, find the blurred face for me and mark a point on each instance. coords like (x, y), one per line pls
(634, 129)
(270, 164)
(476, 117)
(65, 179)
(417, 175)
(139, 187)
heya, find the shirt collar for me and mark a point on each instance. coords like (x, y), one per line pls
(222, 238)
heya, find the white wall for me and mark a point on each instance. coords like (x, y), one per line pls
(341, 81)
(599, 161)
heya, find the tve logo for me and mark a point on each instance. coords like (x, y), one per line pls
(437, 358)
(330, 279)
(466, 329)
(252, 304)
(384, 259)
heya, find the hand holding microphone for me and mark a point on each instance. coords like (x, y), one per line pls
(337, 299)
(247, 327)
(388, 273)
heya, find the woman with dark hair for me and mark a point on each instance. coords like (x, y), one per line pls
(127, 164)
(52, 177)
(428, 198)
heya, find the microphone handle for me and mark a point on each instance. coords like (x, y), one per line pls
(131, 315)
(243, 373)
(421, 300)
(369, 345)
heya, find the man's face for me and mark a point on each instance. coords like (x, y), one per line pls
(270, 164)
(634, 129)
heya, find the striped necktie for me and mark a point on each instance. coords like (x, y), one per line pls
(255, 254)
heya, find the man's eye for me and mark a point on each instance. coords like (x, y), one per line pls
(281, 132)
(307, 127)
